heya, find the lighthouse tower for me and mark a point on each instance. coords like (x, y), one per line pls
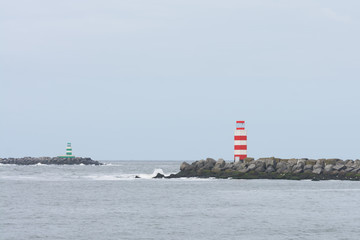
(68, 152)
(240, 141)
(68, 149)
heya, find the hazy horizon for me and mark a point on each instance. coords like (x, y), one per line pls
(160, 80)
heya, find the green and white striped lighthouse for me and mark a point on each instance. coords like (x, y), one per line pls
(68, 152)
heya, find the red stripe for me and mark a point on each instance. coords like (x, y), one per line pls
(240, 121)
(240, 147)
(240, 138)
(240, 128)
(240, 156)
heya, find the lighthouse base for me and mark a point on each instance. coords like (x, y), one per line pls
(238, 158)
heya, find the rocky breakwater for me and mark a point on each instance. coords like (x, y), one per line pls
(49, 160)
(273, 168)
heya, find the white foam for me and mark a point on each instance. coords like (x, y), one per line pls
(36, 165)
(112, 165)
(194, 179)
(150, 176)
(125, 176)
(110, 177)
(19, 177)
(103, 178)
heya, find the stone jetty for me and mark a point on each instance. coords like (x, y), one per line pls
(49, 160)
(272, 168)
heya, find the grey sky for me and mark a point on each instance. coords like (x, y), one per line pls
(168, 79)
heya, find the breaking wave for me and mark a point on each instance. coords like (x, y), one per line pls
(125, 176)
(149, 176)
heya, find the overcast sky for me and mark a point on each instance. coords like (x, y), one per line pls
(166, 80)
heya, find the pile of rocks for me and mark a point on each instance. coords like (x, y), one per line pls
(49, 160)
(273, 168)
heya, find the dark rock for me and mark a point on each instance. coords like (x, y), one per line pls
(282, 167)
(270, 169)
(220, 163)
(310, 162)
(244, 170)
(228, 165)
(318, 170)
(320, 162)
(201, 163)
(298, 168)
(259, 163)
(209, 164)
(159, 175)
(292, 162)
(236, 165)
(185, 166)
(270, 162)
(339, 167)
(308, 168)
(260, 168)
(248, 159)
(331, 161)
(328, 168)
(349, 163)
(198, 164)
(252, 167)
(48, 160)
(356, 163)
(349, 169)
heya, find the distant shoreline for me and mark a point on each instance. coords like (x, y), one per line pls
(49, 160)
(272, 168)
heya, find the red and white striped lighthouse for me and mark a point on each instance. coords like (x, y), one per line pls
(240, 141)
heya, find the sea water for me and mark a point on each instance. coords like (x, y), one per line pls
(108, 202)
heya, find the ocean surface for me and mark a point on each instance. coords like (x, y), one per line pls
(108, 202)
